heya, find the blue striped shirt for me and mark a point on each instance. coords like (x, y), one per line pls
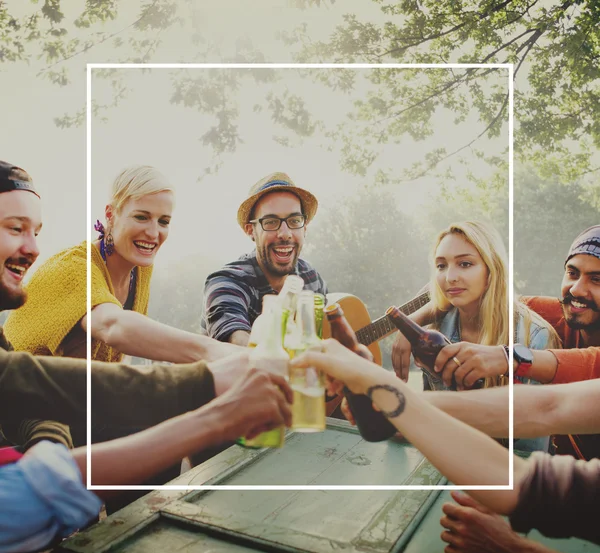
(233, 295)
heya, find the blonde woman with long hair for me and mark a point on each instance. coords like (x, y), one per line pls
(469, 294)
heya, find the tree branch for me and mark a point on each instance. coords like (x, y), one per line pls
(482, 133)
(444, 89)
(507, 44)
(482, 16)
(530, 42)
(101, 41)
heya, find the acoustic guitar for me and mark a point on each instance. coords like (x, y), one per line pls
(369, 332)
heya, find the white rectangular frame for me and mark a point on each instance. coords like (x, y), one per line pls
(91, 66)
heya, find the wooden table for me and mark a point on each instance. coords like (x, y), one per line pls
(370, 521)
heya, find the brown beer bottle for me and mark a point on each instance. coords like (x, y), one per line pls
(372, 425)
(426, 344)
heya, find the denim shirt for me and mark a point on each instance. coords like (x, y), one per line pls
(538, 339)
(42, 498)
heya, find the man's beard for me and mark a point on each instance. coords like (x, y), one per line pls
(275, 269)
(11, 299)
(571, 319)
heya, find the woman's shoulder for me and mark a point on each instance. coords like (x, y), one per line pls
(533, 331)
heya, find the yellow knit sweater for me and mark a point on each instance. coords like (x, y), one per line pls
(56, 302)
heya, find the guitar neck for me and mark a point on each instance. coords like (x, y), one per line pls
(382, 327)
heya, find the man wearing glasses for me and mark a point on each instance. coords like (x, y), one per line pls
(275, 216)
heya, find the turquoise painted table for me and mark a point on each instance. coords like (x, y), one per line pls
(291, 521)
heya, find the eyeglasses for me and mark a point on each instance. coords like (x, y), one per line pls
(273, 223)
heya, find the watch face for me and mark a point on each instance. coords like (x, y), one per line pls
(523, 354)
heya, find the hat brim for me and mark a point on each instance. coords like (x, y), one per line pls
(309, 203)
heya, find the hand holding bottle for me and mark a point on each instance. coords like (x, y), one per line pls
(257, 402)
(342, 366)
(475, 362)
(427, 345)
(308, 383)
(268, 355)
(401, 352)
(335, 385)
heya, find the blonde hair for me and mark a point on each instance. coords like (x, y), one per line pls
(493, 306)
(135, 182)
(493, 309)
(529, 317)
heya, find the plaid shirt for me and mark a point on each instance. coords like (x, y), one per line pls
(233, 295)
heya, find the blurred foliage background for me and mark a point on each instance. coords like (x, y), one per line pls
(437, 134)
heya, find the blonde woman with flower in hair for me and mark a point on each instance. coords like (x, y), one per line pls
(138, 217)
(54, 320)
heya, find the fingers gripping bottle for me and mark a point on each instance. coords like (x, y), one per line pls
(426, 344)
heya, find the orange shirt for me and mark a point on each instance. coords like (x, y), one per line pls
(575, 362)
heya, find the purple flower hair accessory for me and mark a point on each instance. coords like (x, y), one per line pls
(99, 227)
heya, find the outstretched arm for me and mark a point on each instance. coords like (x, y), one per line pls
(226, 308)
(257, 402)
(557, 366)
(46, 488)
(135, 334)
(463, 454)
(538, 410)
(561, 366)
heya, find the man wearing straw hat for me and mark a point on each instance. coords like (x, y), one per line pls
(275, 216)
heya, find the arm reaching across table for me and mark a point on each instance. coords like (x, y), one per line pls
(554, 488)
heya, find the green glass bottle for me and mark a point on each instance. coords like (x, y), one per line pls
(319, 306)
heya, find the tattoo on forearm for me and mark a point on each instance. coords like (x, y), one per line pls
(399, 396)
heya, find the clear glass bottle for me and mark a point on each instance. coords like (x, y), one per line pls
(288, 296)
(308, 384)
(269, 302)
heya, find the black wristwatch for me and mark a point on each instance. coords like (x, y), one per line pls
(524, 358)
